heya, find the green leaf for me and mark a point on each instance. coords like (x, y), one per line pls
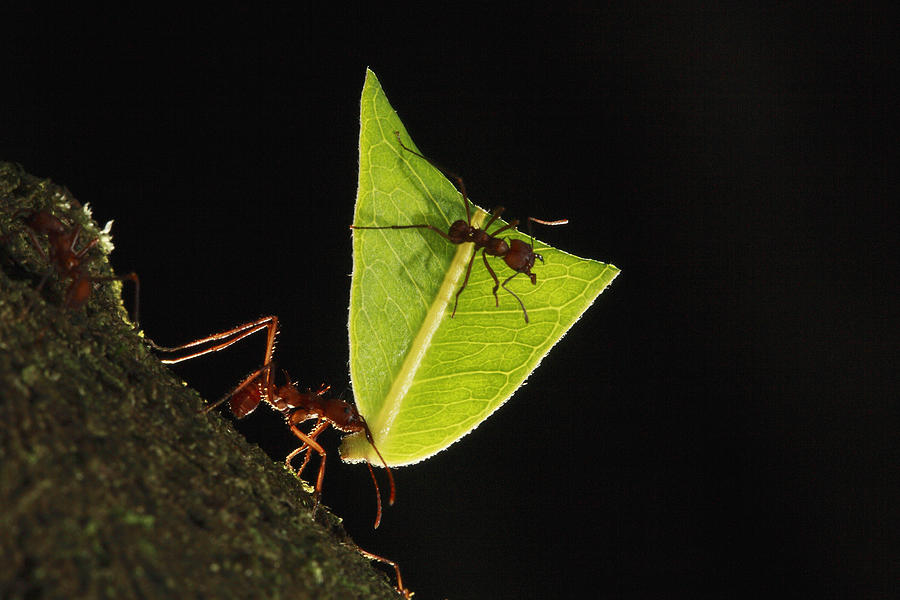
(421, 378)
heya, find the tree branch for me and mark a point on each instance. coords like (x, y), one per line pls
(111, 484)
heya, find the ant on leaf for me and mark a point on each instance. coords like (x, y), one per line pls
(518, 255)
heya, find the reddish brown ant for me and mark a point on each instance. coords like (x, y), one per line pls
(297, 407)
(67, 260)
(518, 255)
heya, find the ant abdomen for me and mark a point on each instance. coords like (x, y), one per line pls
(245, 401)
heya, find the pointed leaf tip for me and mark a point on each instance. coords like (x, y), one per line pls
(423, 379)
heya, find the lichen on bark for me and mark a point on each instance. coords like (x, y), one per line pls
(111, 483)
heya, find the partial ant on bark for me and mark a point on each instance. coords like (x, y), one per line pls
(296, 406)
(518, 255)
(68, 261)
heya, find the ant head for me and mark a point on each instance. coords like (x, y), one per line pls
(459, 232)
(344, 416)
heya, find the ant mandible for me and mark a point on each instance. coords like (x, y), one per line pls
(297, 407)
(518, 255)
(67, 260)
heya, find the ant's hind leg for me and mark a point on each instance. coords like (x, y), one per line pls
(448, 174)
(224, 339)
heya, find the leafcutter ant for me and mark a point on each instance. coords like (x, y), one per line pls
(64, 256)
(518, 255)
(296, 406)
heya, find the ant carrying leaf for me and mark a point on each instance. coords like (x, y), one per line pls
(296, 406)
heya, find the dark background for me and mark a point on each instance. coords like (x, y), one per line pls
(716, 424)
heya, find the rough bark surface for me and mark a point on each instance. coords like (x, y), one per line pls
(111, 484)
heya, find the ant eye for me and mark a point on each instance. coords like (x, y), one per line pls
(539, 257)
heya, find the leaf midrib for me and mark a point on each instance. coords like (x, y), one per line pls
(418, 350)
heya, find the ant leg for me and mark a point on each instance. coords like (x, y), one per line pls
(448, 174)
(83, 251)
(232, 336)
(494, 275)
(465, 283)
(76, 295)
(495, 214)
(314, 433)
(37, 245)
(511, 225)
(290, 457)
(423, 226)
(311, 442)
(524, 312)
(237, 333)
(406, 593)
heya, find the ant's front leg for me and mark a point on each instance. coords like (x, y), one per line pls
(309, 440)
(511, 225)
(319, 428)
(495, 214)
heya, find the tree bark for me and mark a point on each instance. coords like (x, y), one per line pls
(111, 483)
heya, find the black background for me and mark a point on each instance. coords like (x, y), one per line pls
(718, 422)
